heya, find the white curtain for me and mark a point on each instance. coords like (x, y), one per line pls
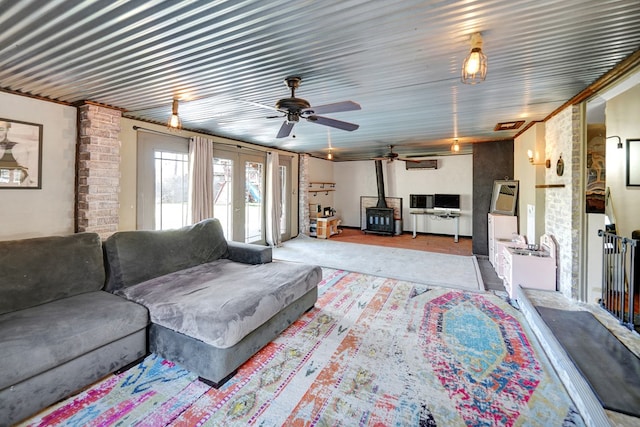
(273, 200)
(200, 178)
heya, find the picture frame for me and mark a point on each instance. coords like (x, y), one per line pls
(633, 162)
(20, 155)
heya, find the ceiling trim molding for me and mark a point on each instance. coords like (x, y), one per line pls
(612, 76)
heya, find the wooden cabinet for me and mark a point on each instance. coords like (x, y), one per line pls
(326, 227)
(501, 227)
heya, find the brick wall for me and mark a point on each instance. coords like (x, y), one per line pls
(563, 205)
(303, 185)
(98, 170)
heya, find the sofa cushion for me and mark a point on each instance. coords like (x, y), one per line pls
(36, 271)
(136, 256)
(221, 302)
(39, 338)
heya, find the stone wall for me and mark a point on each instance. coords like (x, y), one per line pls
(563, 205)
(303, 200)
(98, 170)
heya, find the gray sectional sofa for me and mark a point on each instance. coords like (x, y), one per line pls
(59, 331)
(212, 303)
(74, 309)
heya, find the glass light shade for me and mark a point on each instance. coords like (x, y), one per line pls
(455, 147)
(474, 67)
(174, 121)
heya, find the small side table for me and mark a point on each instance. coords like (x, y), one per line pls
(327, 227)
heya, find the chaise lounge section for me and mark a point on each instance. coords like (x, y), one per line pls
(212, 303)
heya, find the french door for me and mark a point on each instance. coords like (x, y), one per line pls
(239, 194)
(238, 186)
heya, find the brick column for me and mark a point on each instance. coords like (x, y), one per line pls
(303, 186)
(98, 170)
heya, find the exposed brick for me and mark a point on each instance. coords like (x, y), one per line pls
(563, 207)
(98, 170)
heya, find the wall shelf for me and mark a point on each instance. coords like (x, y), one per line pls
(316, 187)
(550, 186)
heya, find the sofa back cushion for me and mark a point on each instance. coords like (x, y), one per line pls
(42, 269)
(133, 257)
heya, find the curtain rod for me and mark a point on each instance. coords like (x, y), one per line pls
(215, 142)
(158, 132)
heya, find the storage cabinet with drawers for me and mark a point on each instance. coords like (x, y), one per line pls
(501, 227)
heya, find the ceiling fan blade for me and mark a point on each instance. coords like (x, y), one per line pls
(285, 129)
(257, 104)
(339, 124)
(334, 108)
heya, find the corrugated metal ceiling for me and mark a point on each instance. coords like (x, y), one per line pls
(400, 60)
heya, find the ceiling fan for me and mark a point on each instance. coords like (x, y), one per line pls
(293, 109)
(390, 156)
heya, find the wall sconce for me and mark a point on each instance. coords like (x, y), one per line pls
(547, 163)
(174, 121)
(620, 146)
(455, 147)
(474, 67)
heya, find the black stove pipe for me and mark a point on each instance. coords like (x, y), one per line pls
(382, 202)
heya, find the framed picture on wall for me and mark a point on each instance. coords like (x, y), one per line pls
(20, 155)
(633, 162)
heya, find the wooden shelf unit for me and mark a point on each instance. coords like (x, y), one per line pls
(316, 187)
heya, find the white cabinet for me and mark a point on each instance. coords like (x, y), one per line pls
(501, 227)
(528, 271)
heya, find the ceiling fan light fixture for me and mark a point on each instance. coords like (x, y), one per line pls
(174, 122)
(474, 67)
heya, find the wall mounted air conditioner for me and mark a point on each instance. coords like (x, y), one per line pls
(422, 164)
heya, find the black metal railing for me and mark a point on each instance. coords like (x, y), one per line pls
(620, 282)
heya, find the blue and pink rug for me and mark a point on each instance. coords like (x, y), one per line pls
(374, 352)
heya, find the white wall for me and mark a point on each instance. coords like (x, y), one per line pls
(454, 175)
(321, 171)
(50, 210)
(528, 176)
(622, 120)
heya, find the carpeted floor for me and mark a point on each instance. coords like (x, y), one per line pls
(374, 351)
(430, 268)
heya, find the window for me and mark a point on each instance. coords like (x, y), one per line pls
(163, 181)
(171, 190)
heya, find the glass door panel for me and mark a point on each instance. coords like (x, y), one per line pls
(253, 206)
(171, 190)
(223, 194)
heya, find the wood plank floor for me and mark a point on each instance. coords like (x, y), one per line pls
(422, 242)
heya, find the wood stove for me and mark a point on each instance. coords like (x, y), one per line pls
(380, 218)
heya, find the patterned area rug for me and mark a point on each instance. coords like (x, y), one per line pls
(374, 352)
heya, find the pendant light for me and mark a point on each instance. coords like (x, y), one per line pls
(474, 67)
(174, 121)
(455, 147)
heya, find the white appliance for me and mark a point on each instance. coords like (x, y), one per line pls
(530, 267)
